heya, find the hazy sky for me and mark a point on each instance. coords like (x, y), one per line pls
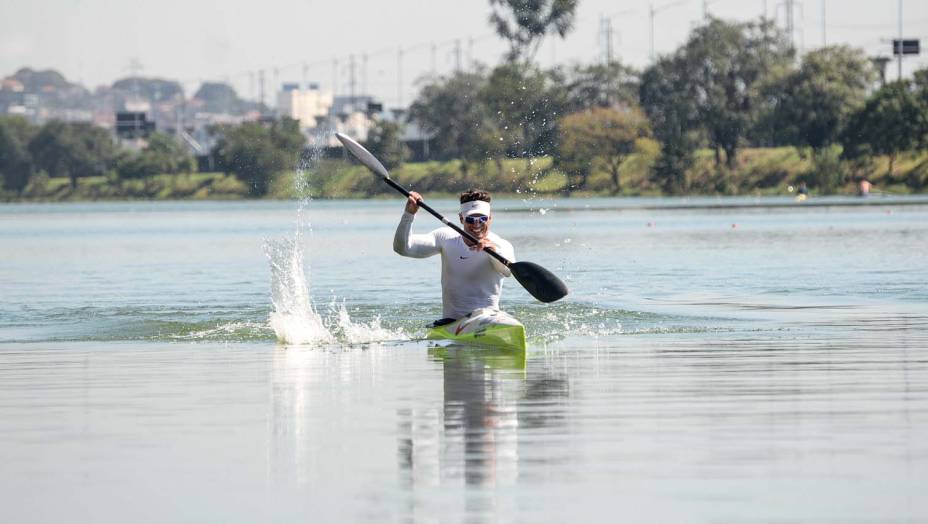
(96, 41)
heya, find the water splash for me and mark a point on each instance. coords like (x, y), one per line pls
(295, 319)
(351, 331)
(235, 330)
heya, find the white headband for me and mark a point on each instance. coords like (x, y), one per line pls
(475, 207)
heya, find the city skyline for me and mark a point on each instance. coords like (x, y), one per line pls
(317, 41)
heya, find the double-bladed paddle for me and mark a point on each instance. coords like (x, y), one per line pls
(538, 281)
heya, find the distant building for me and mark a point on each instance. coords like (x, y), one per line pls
(11, 84)
(345, 105)
(133, 125)
(306, 105)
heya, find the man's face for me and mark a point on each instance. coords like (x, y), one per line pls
(477, 225)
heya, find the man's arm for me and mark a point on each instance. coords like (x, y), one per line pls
(414, 246)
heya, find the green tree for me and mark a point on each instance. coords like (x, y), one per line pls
(171, 155)
(525, 23)
(600, 136)
(828, 172)
(891, 121)
(15, 160)
(72, 150)
(727, 63)
(385, 141)
(601, 85)
(920, 86)
(162, 155)
(256, 151)
(525, 103)
(449, 110)
(814, 102)
(670, 102)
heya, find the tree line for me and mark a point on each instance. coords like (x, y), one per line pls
(254, 152)
(77, 150)
(729, 86)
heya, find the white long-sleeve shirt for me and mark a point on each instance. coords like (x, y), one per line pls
(469, 279)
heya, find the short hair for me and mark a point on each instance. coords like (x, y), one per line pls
(475, 194)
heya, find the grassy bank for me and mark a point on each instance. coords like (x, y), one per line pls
(762, 171)
(196, 186)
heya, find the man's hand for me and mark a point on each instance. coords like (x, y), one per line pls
(483, 243)
(412, 203)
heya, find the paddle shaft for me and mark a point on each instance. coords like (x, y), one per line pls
(447, 222)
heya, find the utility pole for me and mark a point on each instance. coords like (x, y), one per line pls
(364, 74)
(276, 85)
(605, 35)
(352, 81)
(602, 37)
(457, 55)
(651, 19)
(399, 77)
(899, 50)
(824, 27)
(790, 25)
(135, 70)
(470, 53)
(434, 50)
(334, 77)
(261, 88)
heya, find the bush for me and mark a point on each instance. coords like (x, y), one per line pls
(828, 172)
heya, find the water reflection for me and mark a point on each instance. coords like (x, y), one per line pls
(489, 402)
(287, 422)
(320, 410)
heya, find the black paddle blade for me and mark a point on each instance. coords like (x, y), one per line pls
(538, 281)
(363, 155)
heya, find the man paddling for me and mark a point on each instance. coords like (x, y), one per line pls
(470, 278)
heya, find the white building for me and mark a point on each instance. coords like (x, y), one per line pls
(305, 105)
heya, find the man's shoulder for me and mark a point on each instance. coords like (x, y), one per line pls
(445, 233)
(496, 239)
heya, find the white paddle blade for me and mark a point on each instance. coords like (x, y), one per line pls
(363, 155)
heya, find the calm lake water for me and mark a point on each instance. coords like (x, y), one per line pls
(717, 360)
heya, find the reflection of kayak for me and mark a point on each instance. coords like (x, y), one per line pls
(801, 197)
(496, 358)
(484, 327)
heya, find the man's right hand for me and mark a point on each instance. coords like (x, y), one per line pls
(412, 203)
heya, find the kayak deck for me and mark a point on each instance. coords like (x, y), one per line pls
(484, 327)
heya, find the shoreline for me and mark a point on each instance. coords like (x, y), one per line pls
(571, 203)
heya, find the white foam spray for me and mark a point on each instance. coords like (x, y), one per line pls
(295, 319)
(339, 323)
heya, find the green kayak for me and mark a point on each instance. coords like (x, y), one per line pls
(483, 327)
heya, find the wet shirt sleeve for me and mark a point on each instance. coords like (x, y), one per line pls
(415, 246)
